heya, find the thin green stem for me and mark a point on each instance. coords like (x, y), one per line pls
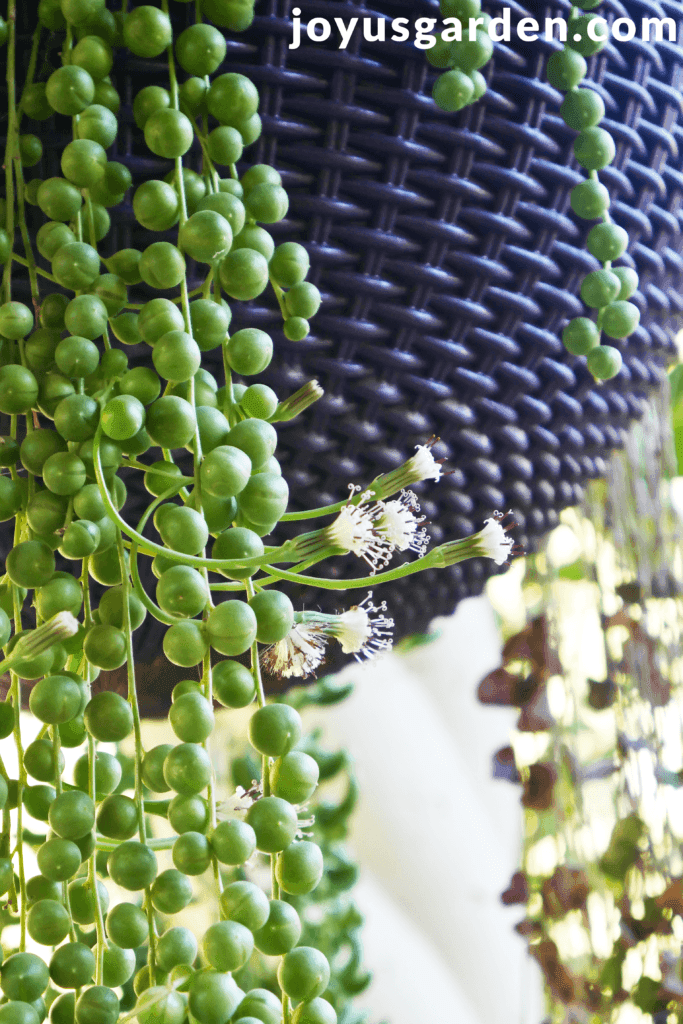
(22, 781)
(137, 734)
(90, 216)
(25, 263)
(15, 693)
(419, 565)
(314, 513)
(160, 470)
(177, 300)
(256, 672)
(31, 70)
(280, 296)
(28, 248)
(109, 845)
(233, 585)
(207, 679)
(11, 140)
(149, 547)
(92, 868)
(5, 837)
(207, 684)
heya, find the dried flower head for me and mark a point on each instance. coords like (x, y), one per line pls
(299, 655)
(363, 630)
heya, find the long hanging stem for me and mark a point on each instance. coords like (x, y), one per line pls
(360, 582)
(15, 687)
(28, 248)
(137, 734)
(11, 141)
(207, 683)
(31, 69)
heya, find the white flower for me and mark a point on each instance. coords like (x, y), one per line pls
(398, 524)
(362, 630)
(299, 654)
(423, 465)
(360, 634)
(355, 530)
(241, 800)
(494, 541)
(491, 542)
(419, 467)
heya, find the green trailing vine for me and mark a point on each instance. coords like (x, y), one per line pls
(78, 415)
(609, 289)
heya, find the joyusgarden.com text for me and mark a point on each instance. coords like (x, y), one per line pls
(423, 31)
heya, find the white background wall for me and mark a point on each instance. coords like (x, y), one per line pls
(437, 837)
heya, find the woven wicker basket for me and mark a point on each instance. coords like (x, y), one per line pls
(448, 259)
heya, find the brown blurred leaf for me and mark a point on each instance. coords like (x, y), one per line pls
(601, 694)
(528, 928)
(504, 689)
(560, 980)
(532, 644)
(535, 716)
(567, 889)
(537, 792)
(672, 897)
(517, 891)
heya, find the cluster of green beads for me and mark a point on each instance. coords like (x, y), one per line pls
(609, 289)
(84, 414)
(463, 83)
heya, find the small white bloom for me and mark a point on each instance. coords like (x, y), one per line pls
(364, 631)
(398, 523)
(423, 465)
(241, 800)
(494, 540)
(359, 633)
(419, 467)
(299, 654)
(491, 542)
(354, 530)
(353, 630)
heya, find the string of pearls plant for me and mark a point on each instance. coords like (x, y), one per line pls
(77, 416)
(609, 289)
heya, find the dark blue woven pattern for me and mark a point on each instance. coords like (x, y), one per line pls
(449, 258)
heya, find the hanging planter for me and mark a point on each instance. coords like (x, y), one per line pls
(449, 261)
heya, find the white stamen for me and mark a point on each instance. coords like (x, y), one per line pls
(305, 824)
(354, 530)
(399, 524)
(358, 633)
